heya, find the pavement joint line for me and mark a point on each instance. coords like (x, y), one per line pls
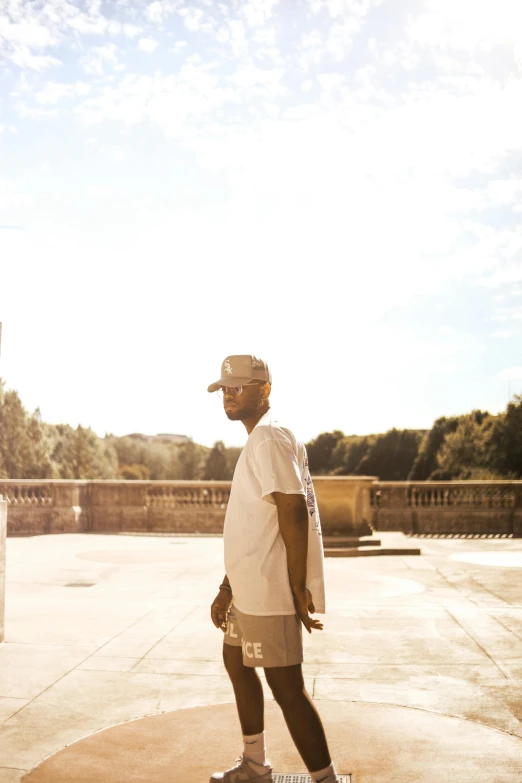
(489, 613)
(429, 712)
(487, 590)
(16, 769)
(164, 635)
(74, 668)
(456, 588)
(134, 622)
(478, 644)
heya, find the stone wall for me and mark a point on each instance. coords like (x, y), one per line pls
(349, 505)
(3, 529)
(448, 507)
(37, 507)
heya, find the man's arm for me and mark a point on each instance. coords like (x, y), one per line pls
(292, 514)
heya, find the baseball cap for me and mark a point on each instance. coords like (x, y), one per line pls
(238, 370)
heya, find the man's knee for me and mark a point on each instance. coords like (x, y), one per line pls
(286, 683)
(233, 659)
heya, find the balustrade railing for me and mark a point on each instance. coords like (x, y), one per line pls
(472, 507)
(176, 496)
(27, 494)
(347, 505)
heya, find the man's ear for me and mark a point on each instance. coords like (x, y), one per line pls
(265, 391)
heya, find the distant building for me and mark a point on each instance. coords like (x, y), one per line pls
(162, 437)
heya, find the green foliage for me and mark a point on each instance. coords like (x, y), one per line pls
(463, 452)
(347, 455)
(474, 446)
(216, 468)
(191, 458)
(391, 456)
(24, 449)
(505, 443)
(134, 472)
(320, 452)
(425, 463)
(80, 454)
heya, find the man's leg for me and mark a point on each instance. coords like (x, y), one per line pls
(247, 689)
(302, 719)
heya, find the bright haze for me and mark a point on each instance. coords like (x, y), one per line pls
(332, 185)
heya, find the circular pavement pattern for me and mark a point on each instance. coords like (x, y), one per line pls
(377, 743)
(492, 558)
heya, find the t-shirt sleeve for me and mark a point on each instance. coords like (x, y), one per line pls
(277, 469)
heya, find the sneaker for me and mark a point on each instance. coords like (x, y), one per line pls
(243, 771)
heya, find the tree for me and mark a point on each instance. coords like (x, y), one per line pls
(320, 452)
(464, 452)
(82, 455)
(391, 456)
(348, 454)
(505, 444)
(216, 463)
(24, 450)
(190, 457)
(425, 463)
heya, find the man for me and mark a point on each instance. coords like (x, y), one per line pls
(274, 577)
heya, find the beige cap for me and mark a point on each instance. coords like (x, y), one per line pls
(238, 370)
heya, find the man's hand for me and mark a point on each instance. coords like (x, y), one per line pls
(304, 604)
(219, 609)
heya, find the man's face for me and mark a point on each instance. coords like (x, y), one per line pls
(239, 407)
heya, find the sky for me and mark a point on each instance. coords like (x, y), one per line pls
(334, 186)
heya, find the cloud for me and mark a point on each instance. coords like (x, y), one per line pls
(179, 46)
(509, 374)
(508, 314)
(10, 195)
(99, 58)
(131, 30)
(330, 81)
(23, 58)
(503, 334)
(195, 19)
(28, 29)
(25, 33)
(147, 45)
(257, 12)
(154, 12)
(99, 191)
(466, 25)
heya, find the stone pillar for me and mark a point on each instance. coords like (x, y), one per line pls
(68, 515)
(3, 530)
(517, 512)
(344, 504)
(118, 506)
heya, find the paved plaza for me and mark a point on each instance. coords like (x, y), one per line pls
(111, 670)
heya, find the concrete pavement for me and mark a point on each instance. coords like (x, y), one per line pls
(416, 674)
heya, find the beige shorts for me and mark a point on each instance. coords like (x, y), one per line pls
(267, 641)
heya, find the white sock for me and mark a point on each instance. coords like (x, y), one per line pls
(326, 775)
(255, 749)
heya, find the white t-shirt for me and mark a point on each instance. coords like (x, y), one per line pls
(255, 553)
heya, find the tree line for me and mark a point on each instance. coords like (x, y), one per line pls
(477, 445)
(474, 446)
(33, 449)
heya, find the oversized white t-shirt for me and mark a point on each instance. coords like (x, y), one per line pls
(255, 553)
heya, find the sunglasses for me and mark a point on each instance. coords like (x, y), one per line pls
(233, 391)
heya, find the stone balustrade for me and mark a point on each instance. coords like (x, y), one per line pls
(448, 507)
(349, 505)
(3, 530)
(36, 507)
